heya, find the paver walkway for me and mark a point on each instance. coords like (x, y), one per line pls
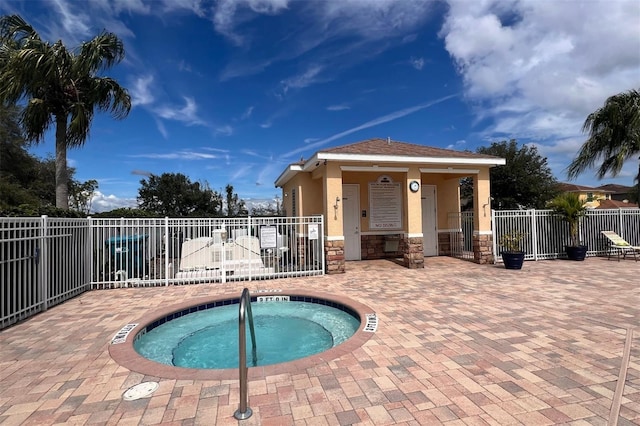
(457, 344)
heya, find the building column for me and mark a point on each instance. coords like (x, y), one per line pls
(482, 234)
(334, 226)
(413, 253)
(334, 256)
(413, 257)
(482, 248)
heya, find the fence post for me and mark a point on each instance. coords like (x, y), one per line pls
(89, 254)
(322, 243)
(167, 250)
(534, 233)
(620, 224)
(494, 240)
(44, 263)
(223, 262)
(249, 233)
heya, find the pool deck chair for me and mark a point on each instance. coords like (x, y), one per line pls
(617, 243)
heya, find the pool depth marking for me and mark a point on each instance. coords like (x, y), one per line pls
(121, 336)
(261, 299)
(372, 323)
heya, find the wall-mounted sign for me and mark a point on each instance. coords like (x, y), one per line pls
(268, 237)
(313, 231)
(385, 206)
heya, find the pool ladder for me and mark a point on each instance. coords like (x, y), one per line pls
(244, 412)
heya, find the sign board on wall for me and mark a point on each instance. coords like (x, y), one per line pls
(313, 231)
(268, 237)
(385, 205)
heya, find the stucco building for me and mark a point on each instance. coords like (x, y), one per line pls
(387, 199)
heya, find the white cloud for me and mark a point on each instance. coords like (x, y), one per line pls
(187, 114)
(161, 128)
(194, 6)
(224, 151)
(180, 155)
(102, 203)
(458, 145)
(358, 25)
(247, 113)
(338, 107)
(225, 130)
(73, 23)
(241, 171)
(538, 68)
(132, 6)
(300, 81)
(226, 16)
(417, 63)
(141, 92)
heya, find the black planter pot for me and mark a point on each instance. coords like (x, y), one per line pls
(576, 252)
(513, 259)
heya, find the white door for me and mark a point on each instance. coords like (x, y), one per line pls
(429, 221)
(351, 221)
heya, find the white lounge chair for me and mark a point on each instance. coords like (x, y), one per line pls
(619, 245)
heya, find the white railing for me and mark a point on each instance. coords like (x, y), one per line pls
(546, 235)
(461, 235)
(43, 261)
(151, 252)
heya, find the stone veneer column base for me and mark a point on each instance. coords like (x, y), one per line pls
(483, 249)
(413, 253)
(444, 244)
(334, 256)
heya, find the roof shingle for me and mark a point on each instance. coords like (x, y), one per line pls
(380, 146)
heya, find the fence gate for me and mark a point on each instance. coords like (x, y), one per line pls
(43, 262)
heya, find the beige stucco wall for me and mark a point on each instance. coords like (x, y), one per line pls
(308, 195)
(595, 200)
(447, 195)
(332, 191)
(481, 196)
(317, 194)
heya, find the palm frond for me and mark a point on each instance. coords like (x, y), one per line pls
(614, 136)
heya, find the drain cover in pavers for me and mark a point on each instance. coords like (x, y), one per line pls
(139, 391)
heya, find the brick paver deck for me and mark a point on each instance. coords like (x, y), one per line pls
(457, 344)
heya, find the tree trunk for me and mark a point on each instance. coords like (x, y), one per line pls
(62, 178)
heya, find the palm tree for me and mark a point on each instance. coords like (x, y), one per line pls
(59, 86)
(614, 136)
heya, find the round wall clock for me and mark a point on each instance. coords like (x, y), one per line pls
(414, 186)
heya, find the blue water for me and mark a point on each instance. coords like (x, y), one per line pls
(285, 331)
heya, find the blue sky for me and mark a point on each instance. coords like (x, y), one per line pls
(232, 91)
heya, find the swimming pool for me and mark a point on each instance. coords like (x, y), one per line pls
(285, 330)
(123, 352)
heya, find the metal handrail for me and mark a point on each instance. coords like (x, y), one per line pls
(244, 412)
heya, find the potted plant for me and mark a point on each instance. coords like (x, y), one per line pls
(512, 253)
(570, 208)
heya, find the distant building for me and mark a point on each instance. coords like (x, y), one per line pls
(589, 195)
(608, 196)
(615, 204)
(618, 192)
